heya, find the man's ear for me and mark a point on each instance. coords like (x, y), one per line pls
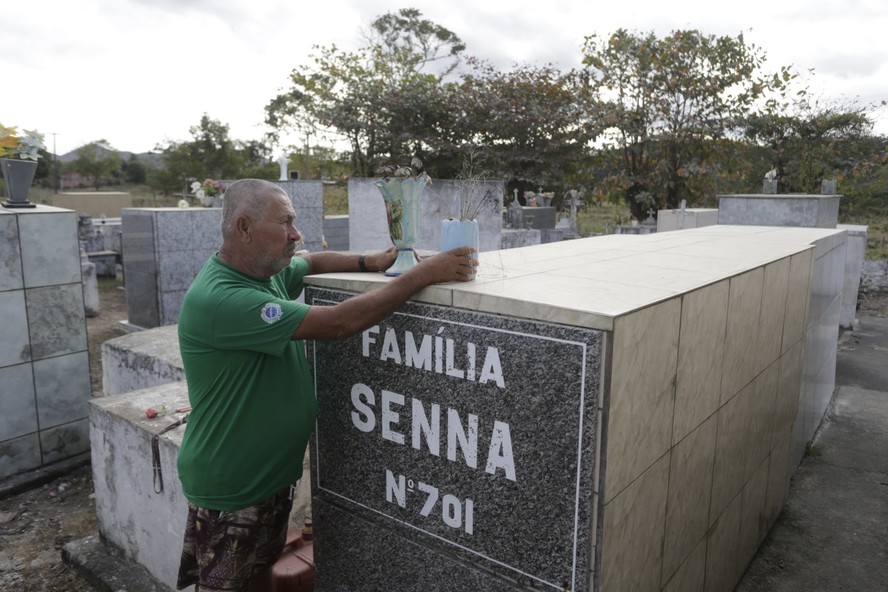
(244, 228)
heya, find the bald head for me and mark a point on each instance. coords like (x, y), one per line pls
(247, 197)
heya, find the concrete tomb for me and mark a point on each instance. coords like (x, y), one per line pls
(787, 209)
(44, 364)
(164, 248)
(613, 413)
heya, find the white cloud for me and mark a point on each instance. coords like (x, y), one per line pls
(139, 72)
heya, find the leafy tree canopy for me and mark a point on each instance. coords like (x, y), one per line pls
(97, 160)
(379, 99)
(667, 102)
(210, 154)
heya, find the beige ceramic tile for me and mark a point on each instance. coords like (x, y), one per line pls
(700, 354)
(774, 290)
(735, 420)
(741, 338)
(718, 269)
(635, 272)
(690, 576)
(796, 235)
(690, 485)
(797, 297)
(799, 435)
(753, 523)
(779, 473)
(642, 392)
(789, 384)
(721, 549)
(658, 242)
(582, 302)
(495, 265)
(365, 282)
(632, 539)
(739, 250)
(758, 440)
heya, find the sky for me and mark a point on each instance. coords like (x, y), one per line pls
(140, 73)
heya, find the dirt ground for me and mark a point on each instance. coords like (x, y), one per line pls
(34, 525)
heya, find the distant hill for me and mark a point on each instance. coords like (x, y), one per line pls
(149, 158)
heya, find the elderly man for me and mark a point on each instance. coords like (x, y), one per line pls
(253, 406)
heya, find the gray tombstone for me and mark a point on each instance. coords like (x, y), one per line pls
(450, 455)
(516, 213)
(828, 187)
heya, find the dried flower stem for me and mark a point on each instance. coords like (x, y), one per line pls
(472, 177)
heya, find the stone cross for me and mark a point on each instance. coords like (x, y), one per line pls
(770, 184)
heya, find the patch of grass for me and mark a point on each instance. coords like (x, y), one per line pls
(876, 234)
(601, 218)
(106, 284)
(335, 200)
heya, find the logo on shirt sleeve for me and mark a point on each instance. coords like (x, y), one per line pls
(271, 312)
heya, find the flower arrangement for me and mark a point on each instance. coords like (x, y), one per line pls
(26, 146)
(209, 187)
(472, 175)
(414, 169)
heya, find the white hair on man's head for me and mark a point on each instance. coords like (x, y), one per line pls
(250, 196)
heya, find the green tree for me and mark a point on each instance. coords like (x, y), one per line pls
(531, 122)
(809, 140)
(380, 99)
(44, 173)
(210, 154)
(318, 162)
(134, 171)
(211, 151)
(403, 43)
(667, 104)
(98, 161)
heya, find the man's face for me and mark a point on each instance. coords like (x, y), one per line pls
(276, 236)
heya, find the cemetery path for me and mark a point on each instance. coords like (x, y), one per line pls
(105, 326)
(35, 524)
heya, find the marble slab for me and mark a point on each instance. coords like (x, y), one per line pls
(450, 429)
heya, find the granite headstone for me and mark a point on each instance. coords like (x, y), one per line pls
(455, 448)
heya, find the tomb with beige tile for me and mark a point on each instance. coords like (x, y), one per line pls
(613, 413)
(709, 359)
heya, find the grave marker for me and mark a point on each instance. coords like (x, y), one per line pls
(441, 430)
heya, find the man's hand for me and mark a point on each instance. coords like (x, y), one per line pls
(356, 314)
(455, 265)
(382, 260)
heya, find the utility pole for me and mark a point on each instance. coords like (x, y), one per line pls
(55, 166)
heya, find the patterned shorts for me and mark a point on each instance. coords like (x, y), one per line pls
(224, 550)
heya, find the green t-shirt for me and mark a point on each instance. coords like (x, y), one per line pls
(253, 403)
